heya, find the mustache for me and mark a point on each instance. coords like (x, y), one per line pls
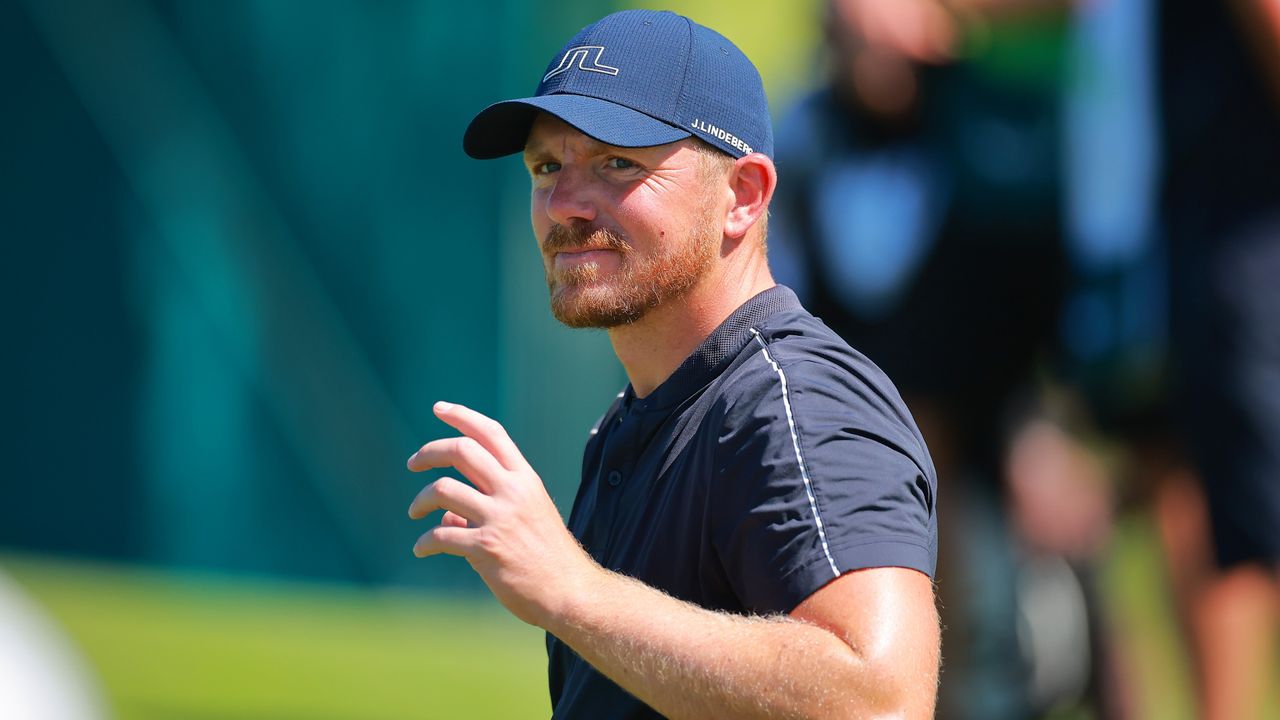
(583, 237)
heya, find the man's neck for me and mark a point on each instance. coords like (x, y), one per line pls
(651, 348)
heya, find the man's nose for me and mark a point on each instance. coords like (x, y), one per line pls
(571, 199)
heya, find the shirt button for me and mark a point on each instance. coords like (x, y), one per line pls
(615, 478)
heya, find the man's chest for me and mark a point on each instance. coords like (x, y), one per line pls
(645, 507)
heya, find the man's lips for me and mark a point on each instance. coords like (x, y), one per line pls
(579, 257)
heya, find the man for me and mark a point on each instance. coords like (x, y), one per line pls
(755, 531)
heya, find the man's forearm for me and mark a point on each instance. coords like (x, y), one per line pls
(688, 662)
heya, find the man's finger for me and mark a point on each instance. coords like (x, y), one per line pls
(446, 540)
(452, 519)
(467, 455)
(452, 495)
(484, 430)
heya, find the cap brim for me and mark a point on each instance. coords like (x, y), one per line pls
(502, 129)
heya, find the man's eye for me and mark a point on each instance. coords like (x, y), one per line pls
(618, 163)
(546, 167)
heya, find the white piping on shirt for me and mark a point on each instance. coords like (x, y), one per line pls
(795, 444)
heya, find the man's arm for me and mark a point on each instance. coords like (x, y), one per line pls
(866, 644)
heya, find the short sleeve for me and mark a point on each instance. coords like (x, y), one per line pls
(819, 471)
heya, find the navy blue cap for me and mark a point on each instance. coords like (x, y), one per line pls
(638, 78)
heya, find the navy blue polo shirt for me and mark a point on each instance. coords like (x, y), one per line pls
(773, 460)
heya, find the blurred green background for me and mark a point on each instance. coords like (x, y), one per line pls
(244, 254)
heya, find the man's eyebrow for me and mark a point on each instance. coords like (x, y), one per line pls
(536, 155)
(532, 147)
(535, 148)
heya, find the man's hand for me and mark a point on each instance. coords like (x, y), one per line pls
(864, 645)
(506, 525)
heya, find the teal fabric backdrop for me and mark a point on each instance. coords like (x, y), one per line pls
(244, 253)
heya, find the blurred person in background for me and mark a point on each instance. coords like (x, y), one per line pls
(921, 218)
(1111, 359)
(1174, 160)
(1220, 206)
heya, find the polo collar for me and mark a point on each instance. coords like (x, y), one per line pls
(720, 348)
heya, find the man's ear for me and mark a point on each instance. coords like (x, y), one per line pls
(752, 181)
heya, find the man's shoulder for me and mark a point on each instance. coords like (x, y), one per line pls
(802, 377)
(805, 426)
(797, 349)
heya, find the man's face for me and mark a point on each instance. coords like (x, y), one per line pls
(622, 230)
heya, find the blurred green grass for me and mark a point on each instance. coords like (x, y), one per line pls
(182, 645)
(191, 646)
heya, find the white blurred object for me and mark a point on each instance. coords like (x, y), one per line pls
(42, 676)
(1053, 630)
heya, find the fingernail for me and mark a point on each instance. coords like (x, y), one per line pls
(443, 406)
